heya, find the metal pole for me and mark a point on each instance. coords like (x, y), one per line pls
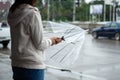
(114, 7)
(110, 12)
(48, 10)
(104, 11)
(113, 11)
(53, 10)
(74, 10)
(99, 18)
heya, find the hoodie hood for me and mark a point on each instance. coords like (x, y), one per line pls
(19, 14)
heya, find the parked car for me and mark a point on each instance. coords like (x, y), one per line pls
(4, 34)
(110, 30)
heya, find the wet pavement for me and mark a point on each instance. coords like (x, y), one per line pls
(99, 60)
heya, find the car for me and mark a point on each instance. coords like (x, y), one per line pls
(4, 34)
(110, 30)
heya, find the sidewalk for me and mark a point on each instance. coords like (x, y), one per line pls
(6, 71)
(5, 68)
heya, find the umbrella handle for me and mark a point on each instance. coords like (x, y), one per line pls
(63, 38)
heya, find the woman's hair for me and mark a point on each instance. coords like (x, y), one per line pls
(17, 3)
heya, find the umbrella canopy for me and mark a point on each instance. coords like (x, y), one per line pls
(65, 53)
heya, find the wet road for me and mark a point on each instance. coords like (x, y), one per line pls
(98, 58)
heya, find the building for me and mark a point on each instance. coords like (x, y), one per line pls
(111, 2)
(4, 7)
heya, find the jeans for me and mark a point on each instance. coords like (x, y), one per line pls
(27, 74)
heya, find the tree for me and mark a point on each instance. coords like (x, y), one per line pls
(63, 10)
(82, 12)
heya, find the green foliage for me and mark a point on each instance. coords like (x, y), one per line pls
(82, 12)
(43, 9)
(62, 10)
(58, 10)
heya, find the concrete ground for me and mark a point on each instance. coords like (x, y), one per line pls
(99, 60)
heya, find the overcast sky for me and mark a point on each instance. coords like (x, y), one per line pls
(87, 1)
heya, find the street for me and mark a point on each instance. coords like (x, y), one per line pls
(99, 60)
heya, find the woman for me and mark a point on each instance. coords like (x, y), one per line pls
(27, 44)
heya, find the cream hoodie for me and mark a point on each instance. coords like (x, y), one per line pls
(27, 44)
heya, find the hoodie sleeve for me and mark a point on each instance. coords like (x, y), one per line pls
(36, 30)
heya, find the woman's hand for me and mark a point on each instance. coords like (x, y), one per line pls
(55, 40)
